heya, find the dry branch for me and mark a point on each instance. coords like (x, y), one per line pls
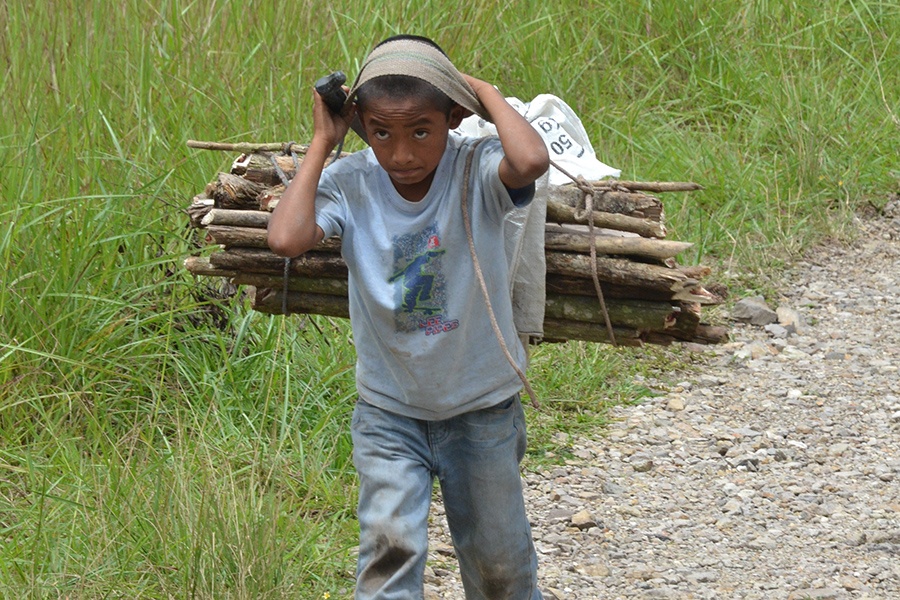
(655, 186)
(252, 260)
(269, 300)
(258, 167)
(637, 205)
(556, 330)
(635, 314)
(561, 213)
(247, 147)
(197, 265)
(580, 242)
(237, 218)
(231, 191)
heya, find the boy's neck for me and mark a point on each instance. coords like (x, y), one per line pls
(414, 192)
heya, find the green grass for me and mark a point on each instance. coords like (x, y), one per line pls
(156, 441)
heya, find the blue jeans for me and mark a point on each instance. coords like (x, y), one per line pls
(475, 456)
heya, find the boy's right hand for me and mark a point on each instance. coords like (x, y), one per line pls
(330, 128)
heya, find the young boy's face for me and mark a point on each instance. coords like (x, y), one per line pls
(408, 137)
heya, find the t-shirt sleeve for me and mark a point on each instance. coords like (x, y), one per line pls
(331, 208)
(522, 196)
(504, 199)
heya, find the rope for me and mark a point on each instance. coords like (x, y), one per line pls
(287, 149)
(587, 202)
(480, 276)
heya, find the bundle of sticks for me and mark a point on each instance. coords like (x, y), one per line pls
(644, 295)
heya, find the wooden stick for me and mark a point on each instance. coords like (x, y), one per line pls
(269, 300)
(252, 237)
(631, 204)
(634, 314)
(234, 192)
(198, 265)
(229, 237)
(704, 334)
(620, 271)
(559, 330)
(258, 167)
(296, 283)
(653, 186)
(199, 208)
(571, 241)
(561, 213)
(237, 218)
(252, 260)
(247, 146)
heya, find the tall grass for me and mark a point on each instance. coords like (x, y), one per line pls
(158, 439)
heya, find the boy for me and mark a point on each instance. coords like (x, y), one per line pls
(437, 397)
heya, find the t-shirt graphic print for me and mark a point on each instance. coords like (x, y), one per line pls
(419, 285)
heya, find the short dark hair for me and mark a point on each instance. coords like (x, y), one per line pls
(397, 87)
(416, 38)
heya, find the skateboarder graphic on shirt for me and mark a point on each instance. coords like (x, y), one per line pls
(417, 281)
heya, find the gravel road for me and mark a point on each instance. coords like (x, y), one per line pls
(772, 474)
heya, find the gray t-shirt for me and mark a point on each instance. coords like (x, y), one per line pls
(424, 342)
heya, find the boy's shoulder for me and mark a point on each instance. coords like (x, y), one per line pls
(355, 161)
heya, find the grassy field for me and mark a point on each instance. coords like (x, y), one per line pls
(156, 442)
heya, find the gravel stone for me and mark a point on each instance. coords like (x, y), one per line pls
(772, 475)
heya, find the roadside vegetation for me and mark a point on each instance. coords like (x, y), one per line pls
(157, 438)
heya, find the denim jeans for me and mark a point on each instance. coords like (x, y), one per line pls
(475, 457)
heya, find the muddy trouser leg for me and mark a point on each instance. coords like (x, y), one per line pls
(478, 466)
(392, 458)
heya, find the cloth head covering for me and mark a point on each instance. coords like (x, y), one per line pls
(416, 57)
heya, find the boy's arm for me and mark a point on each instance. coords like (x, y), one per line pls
(292, 229)
(526, 157)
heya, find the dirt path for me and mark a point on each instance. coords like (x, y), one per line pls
(773, 474)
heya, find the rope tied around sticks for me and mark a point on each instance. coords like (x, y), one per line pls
(585, 208)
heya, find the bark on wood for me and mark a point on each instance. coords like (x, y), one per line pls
(561, 213)
(556, 330)
(704, 334)
(248, 147)
(269, 199)
(231, 191)
(258, 167)
(250, 260)
(199, 208)
(269, 300)
(695, 271)
(199, 265)
(658, 186)
(619, 271)
(632, 314)
(637, 205)
(652, 279)
(228, 236)
(237, 218)
(253, 237)
(296, 283)
(710, 334)
(686, 320)
(580, 242)
(583, 286)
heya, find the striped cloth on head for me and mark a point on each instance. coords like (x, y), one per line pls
(418, 58)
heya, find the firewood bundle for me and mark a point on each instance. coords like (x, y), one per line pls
(647, 297)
